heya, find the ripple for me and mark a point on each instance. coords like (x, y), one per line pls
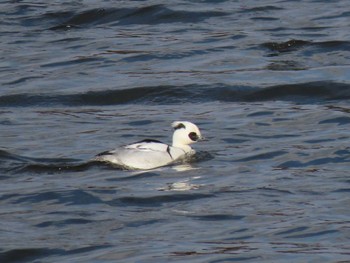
(160, 95)
(313, 234)
(337, 120)
(27, 254)
(68, 197)
(286, 46)
(156, 200)
(295, 44)
(153, 14)
(262, 156)
(64, 223)
(217, 217)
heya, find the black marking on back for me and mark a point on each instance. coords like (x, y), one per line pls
(168, 151)
(148, 141)
(105, 153)
(180, 126)
(143, 141)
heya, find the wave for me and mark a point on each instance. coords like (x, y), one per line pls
(300, 93)
(5, 155)
(13, 163)
(297, 44)
(34, 254)
(152, 14)
(158, 200)
(10, 162)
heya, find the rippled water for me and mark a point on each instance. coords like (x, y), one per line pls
(268, 85)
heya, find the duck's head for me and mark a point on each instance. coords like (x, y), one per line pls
(185, 133)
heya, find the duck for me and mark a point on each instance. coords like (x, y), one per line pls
(150, 153)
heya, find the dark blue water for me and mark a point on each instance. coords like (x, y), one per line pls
(267, 82)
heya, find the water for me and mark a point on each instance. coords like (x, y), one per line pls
(268, 85)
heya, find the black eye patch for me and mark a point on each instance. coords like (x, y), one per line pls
(193, 136)
(180, 126)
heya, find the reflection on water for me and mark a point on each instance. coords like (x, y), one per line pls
(183, 185)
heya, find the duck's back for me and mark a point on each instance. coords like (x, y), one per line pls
(146, 154)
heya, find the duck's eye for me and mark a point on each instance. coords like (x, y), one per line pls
(193, 136)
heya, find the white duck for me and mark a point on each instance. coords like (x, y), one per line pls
(150, 154)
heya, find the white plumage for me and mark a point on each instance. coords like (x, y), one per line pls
(149, 154)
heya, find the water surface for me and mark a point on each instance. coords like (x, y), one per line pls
(268, 85)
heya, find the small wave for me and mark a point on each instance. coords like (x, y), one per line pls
(265, 8)
(22, 164)
(313, 234)
(320, 161)
(153, 14)
(5, 155)
(11, 156)
(337, 120)
(63, 223)
(286, 46)
(68, 197)
(28, 254)
(18, 163)
(297, 44)
(35, 254)
(301, 93)
(156, 200)
(59, 166)
(263, 156)
(217, 217)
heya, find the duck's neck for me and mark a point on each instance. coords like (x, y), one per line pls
(184, 147)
